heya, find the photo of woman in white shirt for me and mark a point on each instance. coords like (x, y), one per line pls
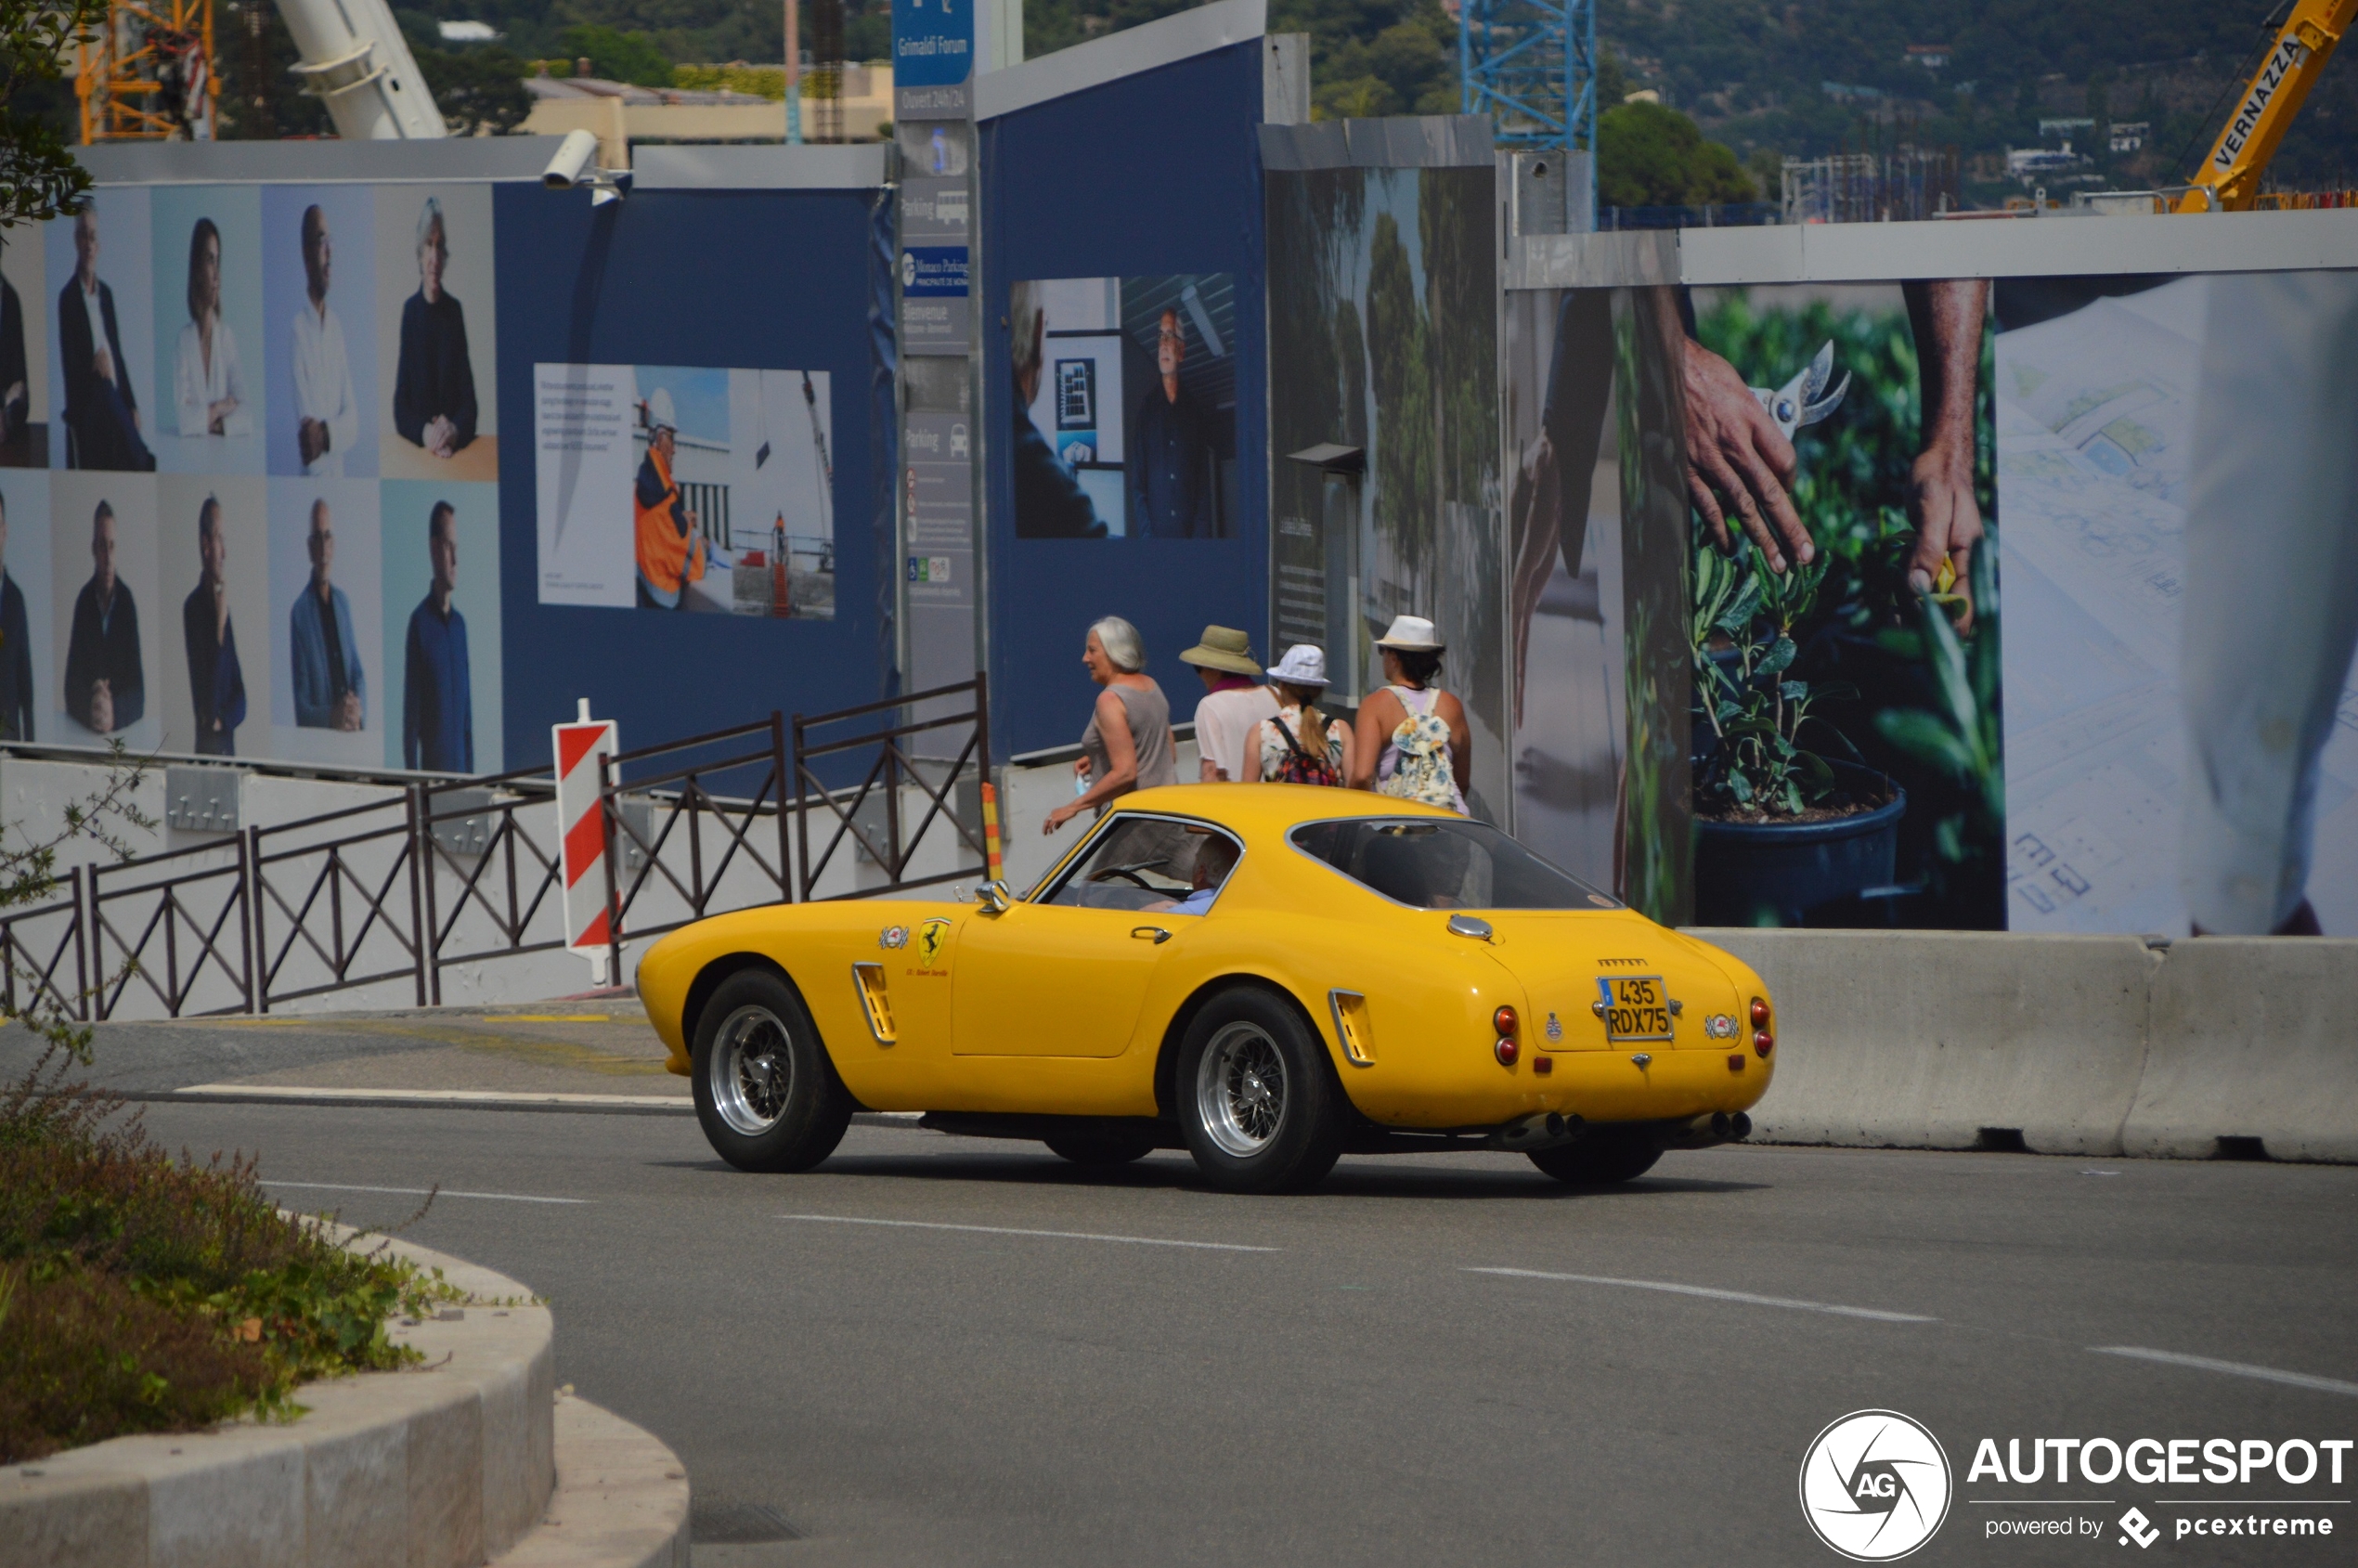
(207, 384)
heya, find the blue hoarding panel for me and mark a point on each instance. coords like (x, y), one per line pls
(704, 298)
(1140, 202)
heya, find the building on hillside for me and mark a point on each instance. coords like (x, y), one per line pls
(2129, 135)
(1932, 57)
(621, 113)
(2024, 163)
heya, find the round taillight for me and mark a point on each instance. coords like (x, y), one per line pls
(1507, 1050)
(1759, 1013)
(1763, 1043)
(1503, 1021)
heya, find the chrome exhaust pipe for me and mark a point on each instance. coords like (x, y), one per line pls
(1705, 1131)
(1541, 1129)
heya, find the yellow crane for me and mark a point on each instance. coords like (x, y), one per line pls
(147, 74)
(2229, 179)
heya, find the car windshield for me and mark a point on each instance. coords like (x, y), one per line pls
(1436, 865)
(1145, 864)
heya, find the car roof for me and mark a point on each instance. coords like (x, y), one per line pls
(1270, 809)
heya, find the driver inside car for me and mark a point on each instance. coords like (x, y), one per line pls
(1215, 858)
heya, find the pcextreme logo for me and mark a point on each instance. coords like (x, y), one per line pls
(1876, 1485)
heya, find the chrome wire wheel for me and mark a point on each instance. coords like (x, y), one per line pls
(1240, 1089)
(751, 1069)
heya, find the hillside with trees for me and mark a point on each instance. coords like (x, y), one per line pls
(1765, 78)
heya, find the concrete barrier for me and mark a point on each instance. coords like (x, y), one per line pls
(2251, 1038)
(465, 1460)
(2101, 1046)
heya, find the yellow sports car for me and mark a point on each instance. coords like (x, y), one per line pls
(1269, 976)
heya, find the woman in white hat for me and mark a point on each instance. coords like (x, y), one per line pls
(1412, 740)
(1298, 745)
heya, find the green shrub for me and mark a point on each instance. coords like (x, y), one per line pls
(143, 1293)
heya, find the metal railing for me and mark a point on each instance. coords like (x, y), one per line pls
(349, 907)
(31, 960)
(515, 872)
(171, 927)
(469, 871)
(892, 769)
(676, 784)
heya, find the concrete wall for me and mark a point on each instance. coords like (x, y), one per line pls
(2100, 1045)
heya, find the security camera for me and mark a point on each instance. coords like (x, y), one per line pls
(576, 156)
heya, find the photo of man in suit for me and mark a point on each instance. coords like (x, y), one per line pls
(437, 701)
(327, 419)
(16, 649)
(103, 411)
(1169, 449)
(106, 686)
(217, 682)
(331, 688)
(16, 398)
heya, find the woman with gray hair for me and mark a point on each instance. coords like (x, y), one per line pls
(1128, 743)
(434, 390)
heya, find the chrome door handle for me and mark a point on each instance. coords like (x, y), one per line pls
(1155, 933)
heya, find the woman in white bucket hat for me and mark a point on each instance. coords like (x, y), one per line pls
(1412, 739)
(1299, 746)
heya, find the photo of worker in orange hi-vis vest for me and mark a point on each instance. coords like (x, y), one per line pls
(671, 551)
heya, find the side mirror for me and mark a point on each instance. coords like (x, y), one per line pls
(994, 897)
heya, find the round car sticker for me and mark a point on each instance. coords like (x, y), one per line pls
(894, 936)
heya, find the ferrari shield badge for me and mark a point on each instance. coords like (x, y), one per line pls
(932, 937)
(894, 937)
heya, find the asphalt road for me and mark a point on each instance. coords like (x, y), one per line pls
(952, 1351)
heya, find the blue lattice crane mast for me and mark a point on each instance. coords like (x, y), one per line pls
(1531, 65)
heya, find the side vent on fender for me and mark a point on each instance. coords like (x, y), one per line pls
(870, 980)
(1351, 1026)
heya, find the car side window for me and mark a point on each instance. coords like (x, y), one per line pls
(1145, 864)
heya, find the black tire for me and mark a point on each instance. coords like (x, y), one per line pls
(1600, 1160)
(1257, 1096)
(1102, 1151)
(754, 1032)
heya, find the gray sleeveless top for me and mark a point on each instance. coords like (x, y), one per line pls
(1149, 714)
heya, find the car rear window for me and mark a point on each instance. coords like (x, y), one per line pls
(1433, 864)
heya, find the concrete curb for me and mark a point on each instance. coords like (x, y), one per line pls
(621, 1499)
(2102, 1046)
(437, 1468)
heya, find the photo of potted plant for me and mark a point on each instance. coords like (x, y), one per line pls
(1844, 721)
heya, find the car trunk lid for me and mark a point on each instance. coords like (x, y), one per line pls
(1616, 982)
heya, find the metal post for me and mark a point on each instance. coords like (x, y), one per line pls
(413, 798)
(430, 936)
(801, 813)
(261, 935)
(982, 760)
(778, 763)
(614, 902)
(245, 916)
(170, 953)
(900, 862)
(81, 955)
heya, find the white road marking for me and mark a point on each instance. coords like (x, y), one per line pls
(2237, 1369)
(1743, 1296)
(679, 1103)
(1012, 1230)
(420, 1192)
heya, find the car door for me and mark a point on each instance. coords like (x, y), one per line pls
(1066, 972)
